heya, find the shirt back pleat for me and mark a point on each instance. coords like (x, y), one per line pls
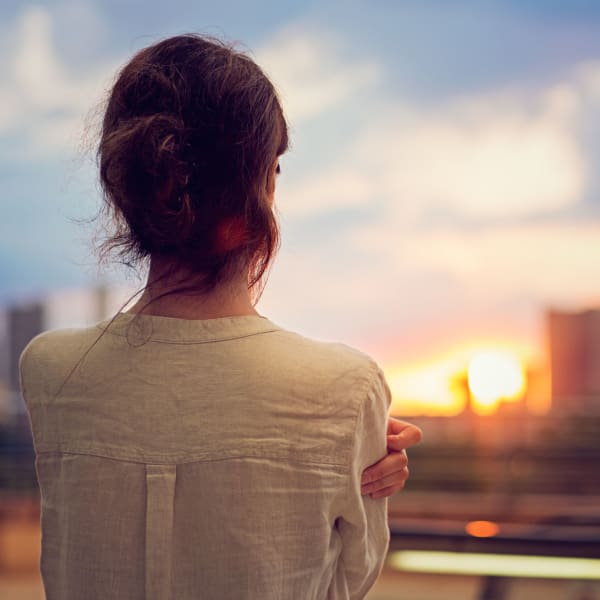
(160, 494)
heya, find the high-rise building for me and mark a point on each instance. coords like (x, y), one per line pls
(574, 340)
(4, 348)
(63, 308)
(24, 322)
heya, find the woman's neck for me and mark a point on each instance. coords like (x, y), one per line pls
(227, 300)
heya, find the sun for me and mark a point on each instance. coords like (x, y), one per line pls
(494, 376)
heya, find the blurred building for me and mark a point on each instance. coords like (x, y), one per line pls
(24, 322)
(574, 348)
(4, 347)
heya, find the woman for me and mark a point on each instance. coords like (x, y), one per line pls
(189, 447)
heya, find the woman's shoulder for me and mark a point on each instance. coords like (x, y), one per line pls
(326, 347)
(311, 354)
(334, 372)
(50, 349)
(52, 341)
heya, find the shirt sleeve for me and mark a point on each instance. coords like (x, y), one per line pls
(363, 524)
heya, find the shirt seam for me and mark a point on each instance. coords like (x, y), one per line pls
(359, 413)
(194, 459)
(348, 486)
(192, 341)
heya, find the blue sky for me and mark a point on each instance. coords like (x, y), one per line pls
(442, 185)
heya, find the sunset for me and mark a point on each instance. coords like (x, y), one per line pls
(478, 375)
(494, 377)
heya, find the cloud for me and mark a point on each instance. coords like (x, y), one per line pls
(510, 165)
(553, 262)
(507, 165)
(556, 262)
(42, 104)
(493, 156)
(308, 70)
(340, 189)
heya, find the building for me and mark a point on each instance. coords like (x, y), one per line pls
(24, 322)
(574, 348)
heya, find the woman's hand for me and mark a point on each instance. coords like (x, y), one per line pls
(389, 475)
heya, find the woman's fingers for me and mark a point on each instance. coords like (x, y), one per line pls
(401, 435)
(389, 475)
(388, 491)
(391, 466)
(387, 485)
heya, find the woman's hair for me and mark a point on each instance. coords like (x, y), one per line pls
(188, 145)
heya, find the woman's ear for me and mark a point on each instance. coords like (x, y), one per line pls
(275, 170)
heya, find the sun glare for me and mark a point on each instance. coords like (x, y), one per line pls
(482, 372)
(493, 377)
(425, 389)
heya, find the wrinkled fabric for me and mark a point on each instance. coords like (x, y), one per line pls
(219, 458)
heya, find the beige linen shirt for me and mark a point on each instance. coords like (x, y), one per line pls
(215, 458)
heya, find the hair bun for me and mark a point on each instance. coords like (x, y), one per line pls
(191, 131)
(144, 168)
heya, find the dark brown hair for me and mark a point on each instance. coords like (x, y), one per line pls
(191, 133)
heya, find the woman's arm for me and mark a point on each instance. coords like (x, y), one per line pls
(362, 522)
(388, 476)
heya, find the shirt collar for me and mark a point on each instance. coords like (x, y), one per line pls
(140, 328)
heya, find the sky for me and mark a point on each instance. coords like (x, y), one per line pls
(441, 191)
